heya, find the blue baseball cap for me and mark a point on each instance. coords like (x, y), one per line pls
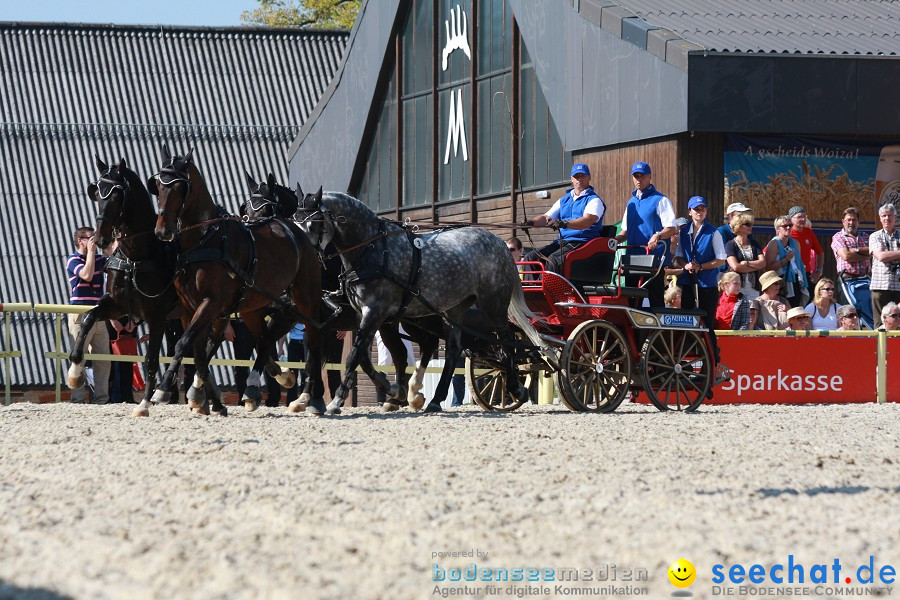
(579, 168)
(696, 201)
(640, 167)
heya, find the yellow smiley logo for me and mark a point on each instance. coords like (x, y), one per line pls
(682, 573)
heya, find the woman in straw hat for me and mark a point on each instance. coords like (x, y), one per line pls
(769, 310)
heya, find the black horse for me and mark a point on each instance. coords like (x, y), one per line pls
(270, 199)
(139, 275)
(227, 266)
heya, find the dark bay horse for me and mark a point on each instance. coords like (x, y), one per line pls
(392, 273)
(269, 199)
(227, 266)
(139, 275)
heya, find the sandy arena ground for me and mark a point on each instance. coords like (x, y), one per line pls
(98, 504)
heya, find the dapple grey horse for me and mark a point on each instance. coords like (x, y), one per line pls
(391, 273)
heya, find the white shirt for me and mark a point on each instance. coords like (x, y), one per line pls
(384, 355)
(829, 322)
(663, 209)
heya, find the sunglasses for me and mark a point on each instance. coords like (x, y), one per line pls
(827, 289)
(851, 316)
(512, 249)
(894, 315)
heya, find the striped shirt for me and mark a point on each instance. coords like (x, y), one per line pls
(85, 292)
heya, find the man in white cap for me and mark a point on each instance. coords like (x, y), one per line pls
(727, 234)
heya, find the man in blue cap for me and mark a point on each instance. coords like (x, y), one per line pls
(649, 218)
(700, 253)
(578, 216)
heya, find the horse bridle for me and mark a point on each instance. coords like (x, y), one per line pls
(168, 176)
(264, 201)
(113, 186)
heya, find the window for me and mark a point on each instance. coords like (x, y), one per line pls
(456, 111)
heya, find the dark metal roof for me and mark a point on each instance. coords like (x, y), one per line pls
(783, 26)
(238, 96)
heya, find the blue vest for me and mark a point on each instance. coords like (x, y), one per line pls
(642, 220)
(701, 251)
(570, 209)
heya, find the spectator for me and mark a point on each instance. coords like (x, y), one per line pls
(727, 230)
(578, 216)
(884, 245)
(84, 269)
(848, 318)
(744, 255)
(783, 257)
(385, 359)
(733, 311)
(648, 219)
(798, 319)
(823, 308)
(514, 245)
(769, 310)
(811, 252)
(700, 252)
(296, 352)
(890, 317)
(854, 264)
(124, 376)
(673, 296)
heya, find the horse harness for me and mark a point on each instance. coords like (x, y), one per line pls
(203, 252)
(409, 285)
(131, 268)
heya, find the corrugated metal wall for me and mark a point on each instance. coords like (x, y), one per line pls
(237, 96)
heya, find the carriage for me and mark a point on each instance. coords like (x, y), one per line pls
(610, 347)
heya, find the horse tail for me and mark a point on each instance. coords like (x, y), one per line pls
(520, 314)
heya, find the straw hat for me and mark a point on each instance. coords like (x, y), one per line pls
(797, 312)
(768, 278)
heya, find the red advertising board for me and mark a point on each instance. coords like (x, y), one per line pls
(800, 370)
(893, 374)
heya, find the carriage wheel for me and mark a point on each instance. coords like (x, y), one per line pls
(489, 389)
(676, 369)
(596, 368)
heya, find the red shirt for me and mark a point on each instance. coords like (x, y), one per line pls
(725, 310)
(808, 242)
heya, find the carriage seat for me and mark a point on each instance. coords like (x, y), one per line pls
(593, 261)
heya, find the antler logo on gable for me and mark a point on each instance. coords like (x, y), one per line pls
(457, 35)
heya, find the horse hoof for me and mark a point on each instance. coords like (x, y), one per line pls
(334, 408)
(201, 411)
(417, 402)
(433, 407)
(296, 406)
(192, 404)
(196, 395)
(251, 393)
(221, 413)
(287, 379)
(389, 407)
(250, 405)
(161, 397)
(140, 412)
(316, 407)
(75, 377)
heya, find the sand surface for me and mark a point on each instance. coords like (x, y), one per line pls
(98, 504)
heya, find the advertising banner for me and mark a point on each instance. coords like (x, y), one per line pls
(799, 370)
(771, 174)
(893, 374)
